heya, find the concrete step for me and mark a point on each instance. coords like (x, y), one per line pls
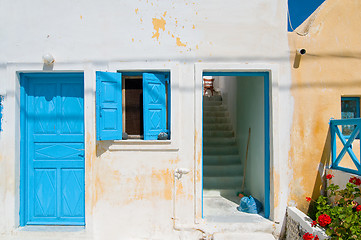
(212, 103)
(215, 114)
(222, 192)
(217, 134)
(221, 216)
(222, 171)
(220, 150)
(217, 126)
(212, 98)
(221, 160)
(222, 182)
(213, 120)
(209, 141)
(243, 236)
(214, 108)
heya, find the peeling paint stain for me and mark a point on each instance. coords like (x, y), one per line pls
(179, 43)
(157, 25)
(276, 187)
(157, 185)
(180, 190)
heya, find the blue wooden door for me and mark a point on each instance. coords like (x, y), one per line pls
(53, 164)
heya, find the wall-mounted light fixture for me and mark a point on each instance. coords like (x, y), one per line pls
(48, 59)
(299, 52)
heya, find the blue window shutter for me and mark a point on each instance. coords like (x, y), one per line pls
(109, 105)
(154, 105)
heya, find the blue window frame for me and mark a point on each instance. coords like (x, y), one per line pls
(154, 105)
(350, 108)
(1, 110)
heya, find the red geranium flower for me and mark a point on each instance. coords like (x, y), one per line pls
(329, 176)
(314, 223)
(358, 208)
(308, 199)
(355, 181)
(307, 236)
(324, 220)
(316, 238)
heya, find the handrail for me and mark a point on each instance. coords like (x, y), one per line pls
(347, 143)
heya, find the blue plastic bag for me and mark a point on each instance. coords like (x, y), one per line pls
(250, 205)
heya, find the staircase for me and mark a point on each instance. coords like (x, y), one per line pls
(222, 180)
(222, 169)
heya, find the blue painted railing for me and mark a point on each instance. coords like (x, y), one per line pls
(347, 143)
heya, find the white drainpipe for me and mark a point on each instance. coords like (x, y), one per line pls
(178, 173)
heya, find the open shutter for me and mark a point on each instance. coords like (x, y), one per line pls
(154, 105)
(109, 105)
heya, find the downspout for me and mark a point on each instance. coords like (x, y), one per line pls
(178, 173)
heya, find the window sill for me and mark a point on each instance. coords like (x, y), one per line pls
(143, 145)
(49, 228)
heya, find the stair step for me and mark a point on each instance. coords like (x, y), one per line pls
(212, 103)
(215, 114)
(213, 108)
(220, 150)
(243, 236)
(212, 98)
(222, 182)
(230, 193)
(221, 160)
(208, 141)
(212, 133)
(217, 126)
(222, 170)
(215, 120)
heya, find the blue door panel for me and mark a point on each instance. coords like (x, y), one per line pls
(44, 193)
(43, 108)
(58, 151)
(72, 192)
(53, 165)
(71, 105)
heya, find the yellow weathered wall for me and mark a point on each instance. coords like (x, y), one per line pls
(331, 68)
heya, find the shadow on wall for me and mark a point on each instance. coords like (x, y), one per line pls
(103, 146)
(320, 182)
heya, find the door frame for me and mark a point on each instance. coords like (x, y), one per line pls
(231, 69)
(23, 211)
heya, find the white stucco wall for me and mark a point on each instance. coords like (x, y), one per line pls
(129, 186)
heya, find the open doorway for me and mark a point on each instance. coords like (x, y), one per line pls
(236, 142)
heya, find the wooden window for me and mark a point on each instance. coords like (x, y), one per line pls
(137, 104)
